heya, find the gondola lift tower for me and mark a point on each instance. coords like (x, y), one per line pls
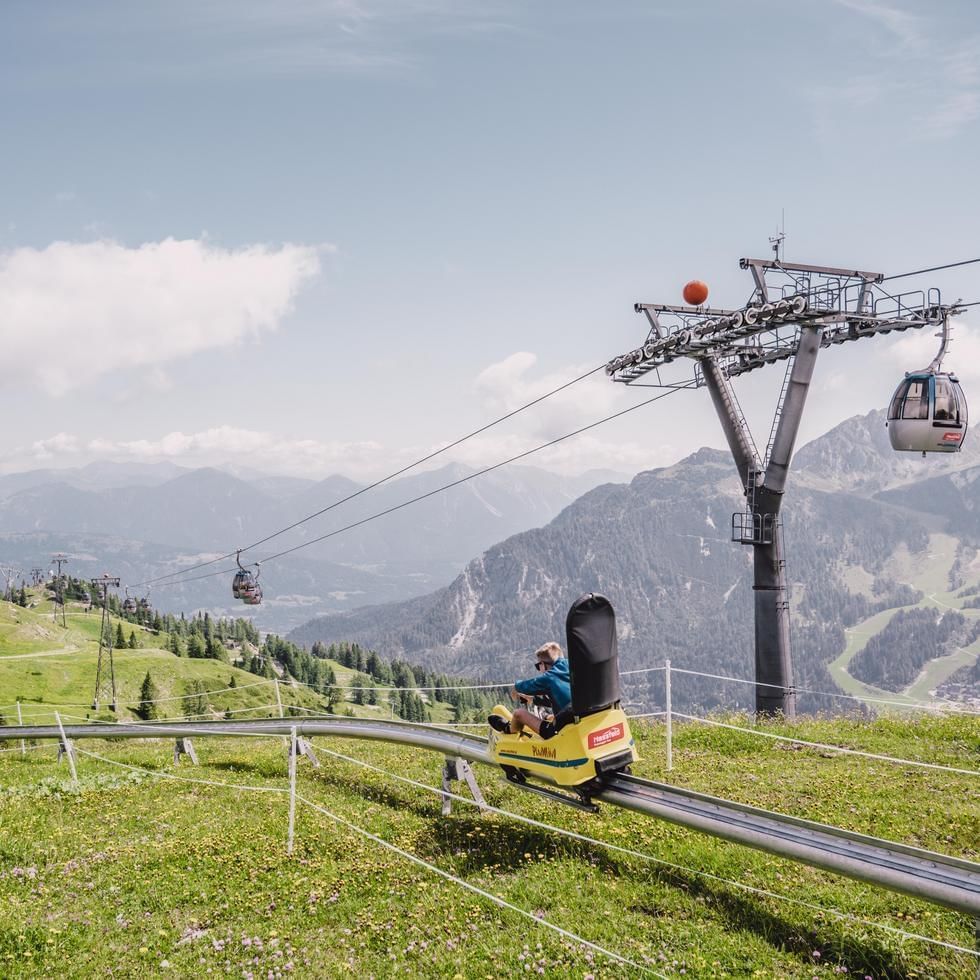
(793, 312)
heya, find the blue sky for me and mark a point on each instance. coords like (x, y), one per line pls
(319, 237)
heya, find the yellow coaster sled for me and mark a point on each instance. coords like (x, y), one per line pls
(582, 751)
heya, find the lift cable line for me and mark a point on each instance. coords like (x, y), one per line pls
(447, 486)
(935, 268)
(793, 312)
(385, 479)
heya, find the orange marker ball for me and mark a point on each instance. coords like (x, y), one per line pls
(695, 292)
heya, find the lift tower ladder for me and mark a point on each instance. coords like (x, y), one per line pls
(792, 313)
(105, 671)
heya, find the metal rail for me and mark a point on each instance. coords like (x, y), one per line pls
(937, 878)
(469, 747)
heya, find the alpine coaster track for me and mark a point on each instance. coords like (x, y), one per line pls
(933, 877)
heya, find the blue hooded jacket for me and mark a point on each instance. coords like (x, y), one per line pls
(556, 683)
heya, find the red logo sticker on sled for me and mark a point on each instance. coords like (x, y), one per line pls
(605, 735)
(951, 437)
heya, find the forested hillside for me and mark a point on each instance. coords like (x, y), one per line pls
(892, 659)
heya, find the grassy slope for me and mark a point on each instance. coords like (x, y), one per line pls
(135, 871)
(48, 667)
(57, 672)
(931, 577)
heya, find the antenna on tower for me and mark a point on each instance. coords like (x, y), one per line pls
(779, 238)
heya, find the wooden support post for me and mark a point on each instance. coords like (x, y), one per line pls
(20, 721)
(67, 749)
(456, 770)
(184, 746)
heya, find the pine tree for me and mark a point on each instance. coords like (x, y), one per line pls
(147, 708)
(120, 641)
(195, 700)
(133, 642)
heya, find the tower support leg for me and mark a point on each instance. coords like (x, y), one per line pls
(774, 692)
(764, 496)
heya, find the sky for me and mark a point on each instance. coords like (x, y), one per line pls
(330, 236)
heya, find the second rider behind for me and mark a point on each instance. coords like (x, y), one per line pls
(553, 682)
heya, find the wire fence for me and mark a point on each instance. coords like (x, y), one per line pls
(290, 791)
(669, 714)
(294, 798)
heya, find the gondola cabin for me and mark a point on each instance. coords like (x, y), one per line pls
(129, 606)
(251, 594)
(242, 578)
(593, 737)
(928, 414)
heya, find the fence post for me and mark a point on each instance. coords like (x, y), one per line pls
(282, 714)
(69, 750)
(292, 789)
(20, 722)
(670, 747)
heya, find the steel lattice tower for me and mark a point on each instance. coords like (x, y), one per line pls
(59, 594)
(793, 312)
(105, 672)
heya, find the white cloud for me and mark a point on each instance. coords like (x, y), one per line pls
(225, 38)
(906, 28)
(54, 447)
(503, 386)
(223, 445)
(916, 349)
(922, 68)
(588, 451)
(509, 384)
(74, 311)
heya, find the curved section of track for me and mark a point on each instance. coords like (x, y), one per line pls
(952, 882)
(935, 877)
(469, 747)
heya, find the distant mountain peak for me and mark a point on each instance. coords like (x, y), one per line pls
(857, 456)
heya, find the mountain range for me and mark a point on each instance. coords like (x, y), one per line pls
(856, 516)
(142, 521)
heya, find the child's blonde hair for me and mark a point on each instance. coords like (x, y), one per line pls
(549, 652)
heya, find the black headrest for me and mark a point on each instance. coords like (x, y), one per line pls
(593, 654)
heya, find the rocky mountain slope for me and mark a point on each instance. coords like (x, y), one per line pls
(660, 548)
